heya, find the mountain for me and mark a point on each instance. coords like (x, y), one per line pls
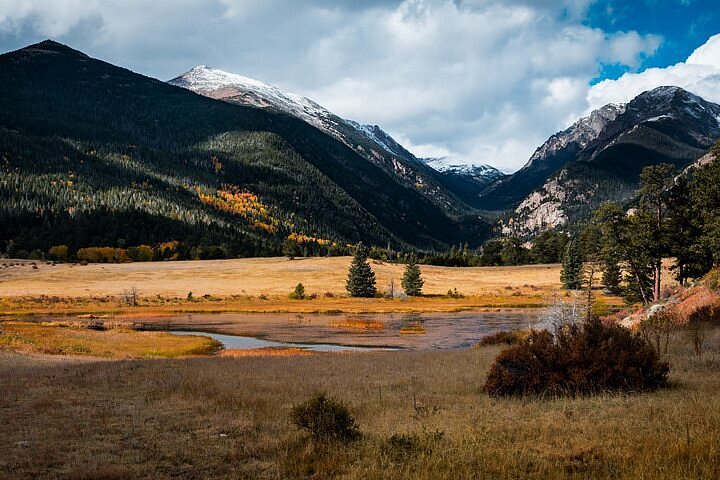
(94, 154)
(664, 124)
(600, 157)
(368, 141)
(466, 181)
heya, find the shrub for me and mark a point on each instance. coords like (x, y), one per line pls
(712, 279)
(453, 293)
(502, 337)
(660, 326)
(578, 360)
(298, 293)
(326, 419)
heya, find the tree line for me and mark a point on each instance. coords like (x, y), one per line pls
(675, 215)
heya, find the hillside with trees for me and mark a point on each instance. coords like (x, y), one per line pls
(94, 155)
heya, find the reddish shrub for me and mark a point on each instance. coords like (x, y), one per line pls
(578, 360)
(501, 337)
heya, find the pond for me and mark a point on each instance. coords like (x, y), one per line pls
(328, 332)
(251, 343)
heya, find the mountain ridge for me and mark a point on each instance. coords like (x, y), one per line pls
(369, 141)
(674, 111)
(83, 141)
(600, 156)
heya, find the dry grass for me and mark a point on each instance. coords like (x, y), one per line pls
(69, 338)
(228, 418)
(358, 324)
(260, 285)
(255, 276)
(266, 352)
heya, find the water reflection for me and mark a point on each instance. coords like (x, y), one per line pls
(418, 331)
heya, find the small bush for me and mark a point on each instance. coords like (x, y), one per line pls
(326, 419)
(453, 293)
(502, 337)
(659, 327)
(579, 360)
(298, 293)
(712, 279)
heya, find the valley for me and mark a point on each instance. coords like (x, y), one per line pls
(178, 299)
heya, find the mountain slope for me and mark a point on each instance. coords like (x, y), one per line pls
(664, 124)
(603, 156)
(369, 141)
(95, 154)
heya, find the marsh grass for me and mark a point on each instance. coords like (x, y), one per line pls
(114, 341)
(422, 416)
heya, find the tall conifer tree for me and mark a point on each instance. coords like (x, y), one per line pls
(571, 275)
(412, 281)
(361, 278)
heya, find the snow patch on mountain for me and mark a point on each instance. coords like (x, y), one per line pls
(220, 84)
(479, 171)
(369, 141)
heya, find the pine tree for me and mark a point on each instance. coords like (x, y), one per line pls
(572, 266)
(412, 281)
(612, 274)
(361, 278)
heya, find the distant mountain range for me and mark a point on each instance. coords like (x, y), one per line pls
(95, 155)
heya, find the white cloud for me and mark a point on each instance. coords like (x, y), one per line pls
(700, 74)
(481, 80)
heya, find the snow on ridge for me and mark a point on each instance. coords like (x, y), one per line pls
(445, 164)
(369, 132)
(203, 79)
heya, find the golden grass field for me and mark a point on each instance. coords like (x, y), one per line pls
(253, 276)
(227, 417)
(261, 285)
(126, 404)
(68, 338)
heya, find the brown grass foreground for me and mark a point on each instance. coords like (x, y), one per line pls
(228, 418)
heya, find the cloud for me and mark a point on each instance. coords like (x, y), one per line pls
(479, 80)
(700, 74)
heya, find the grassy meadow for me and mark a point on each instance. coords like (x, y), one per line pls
(260, 285)
(422, 416)
(77, 403)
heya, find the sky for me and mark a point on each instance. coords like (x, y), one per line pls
(476, 81)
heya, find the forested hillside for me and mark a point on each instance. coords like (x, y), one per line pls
(96, 155)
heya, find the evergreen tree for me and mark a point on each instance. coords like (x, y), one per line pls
(572, 266)
(655, 184)
(361, 278)
(412, 281)
(620, 234)
(612, 273)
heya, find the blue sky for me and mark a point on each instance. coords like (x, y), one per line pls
(683, 25)
(477, 81)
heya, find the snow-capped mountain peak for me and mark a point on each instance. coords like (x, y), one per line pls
(480, 172)
(220, 84)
